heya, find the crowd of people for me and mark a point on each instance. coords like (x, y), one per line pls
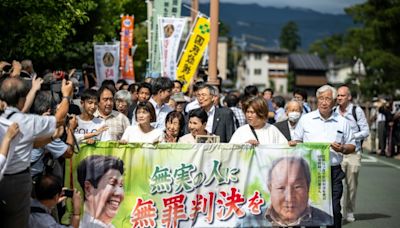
(47, 117)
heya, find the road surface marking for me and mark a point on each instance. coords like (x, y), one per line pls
(371, 159)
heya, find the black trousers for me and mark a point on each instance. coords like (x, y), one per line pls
(337, 175)
(15, 201)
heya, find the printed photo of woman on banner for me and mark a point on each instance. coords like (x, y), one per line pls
(100, 178)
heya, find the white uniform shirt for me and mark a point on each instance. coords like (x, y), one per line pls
(313, 128)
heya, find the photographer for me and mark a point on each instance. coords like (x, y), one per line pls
(56, 148)
(16, 186)
(49, 192)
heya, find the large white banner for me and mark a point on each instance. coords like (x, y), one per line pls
(106, 60)
(160, 8)
(170, 30)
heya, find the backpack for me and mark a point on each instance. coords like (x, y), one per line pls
(353, 112)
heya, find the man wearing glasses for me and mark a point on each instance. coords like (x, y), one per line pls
(324, 125)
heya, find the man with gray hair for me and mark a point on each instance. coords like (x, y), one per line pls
(27, 69)
(293, 110)
(289, 181)
(220, 120)
(324, 125)
(15, 187)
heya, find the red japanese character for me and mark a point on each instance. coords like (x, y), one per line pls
(203, 205)
(255, 203)
(230, 204)
(174, 211)
(144, 214)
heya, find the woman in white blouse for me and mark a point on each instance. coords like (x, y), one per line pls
(258, 130)
(143, 132)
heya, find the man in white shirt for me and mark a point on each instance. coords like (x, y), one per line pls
(162, 88)
(324, 125)
(16, 185)
(351, 162)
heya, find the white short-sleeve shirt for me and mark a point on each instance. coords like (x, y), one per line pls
(313, 128)
(31, 127)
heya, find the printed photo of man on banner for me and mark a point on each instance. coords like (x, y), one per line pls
(206, 185)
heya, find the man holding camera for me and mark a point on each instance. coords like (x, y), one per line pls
(49, 192)
(15, 187)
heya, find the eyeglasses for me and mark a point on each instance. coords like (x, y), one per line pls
(203, 95)
(325, 99)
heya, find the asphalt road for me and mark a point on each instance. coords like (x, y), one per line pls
(378, 198)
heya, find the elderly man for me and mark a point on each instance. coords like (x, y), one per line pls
(324, 125)
(289, 181)
(15, 187)
(115, 121)
(220, 120)
(351, 162)
(293, 112)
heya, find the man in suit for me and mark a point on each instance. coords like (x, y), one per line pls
(220, 120)
(293, 111)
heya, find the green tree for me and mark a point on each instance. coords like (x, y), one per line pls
(289, 37)
(375, 40)
(60, 34)
(38, 29)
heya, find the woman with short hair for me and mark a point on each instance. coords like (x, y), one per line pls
(174, 127)
(197, 125)
(258, 130)
(122, 101)
(142, 131)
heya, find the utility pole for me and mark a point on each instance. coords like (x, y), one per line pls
(213, 46)
(194, 10)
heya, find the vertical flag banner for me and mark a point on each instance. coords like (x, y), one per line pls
(193, 51)
(171, 30)
(126, 60)
(106, 61)
(161, 8)
(202, 185)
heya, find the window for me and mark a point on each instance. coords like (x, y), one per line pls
(257, 56)
(257, 71)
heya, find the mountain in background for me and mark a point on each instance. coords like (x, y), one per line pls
(267, 22)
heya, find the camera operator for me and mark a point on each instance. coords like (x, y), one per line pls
(49, 192)
(16, 185)
(56, 147)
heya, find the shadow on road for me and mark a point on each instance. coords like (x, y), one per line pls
(370, 216)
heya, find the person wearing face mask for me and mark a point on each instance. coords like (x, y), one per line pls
(293, 111)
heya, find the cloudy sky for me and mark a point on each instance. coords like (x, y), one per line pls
(325, 6)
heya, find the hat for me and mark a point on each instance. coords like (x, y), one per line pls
(178, 97)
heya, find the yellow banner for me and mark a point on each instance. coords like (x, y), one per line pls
(193, 52)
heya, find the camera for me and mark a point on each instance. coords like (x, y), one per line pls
(68, 193)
